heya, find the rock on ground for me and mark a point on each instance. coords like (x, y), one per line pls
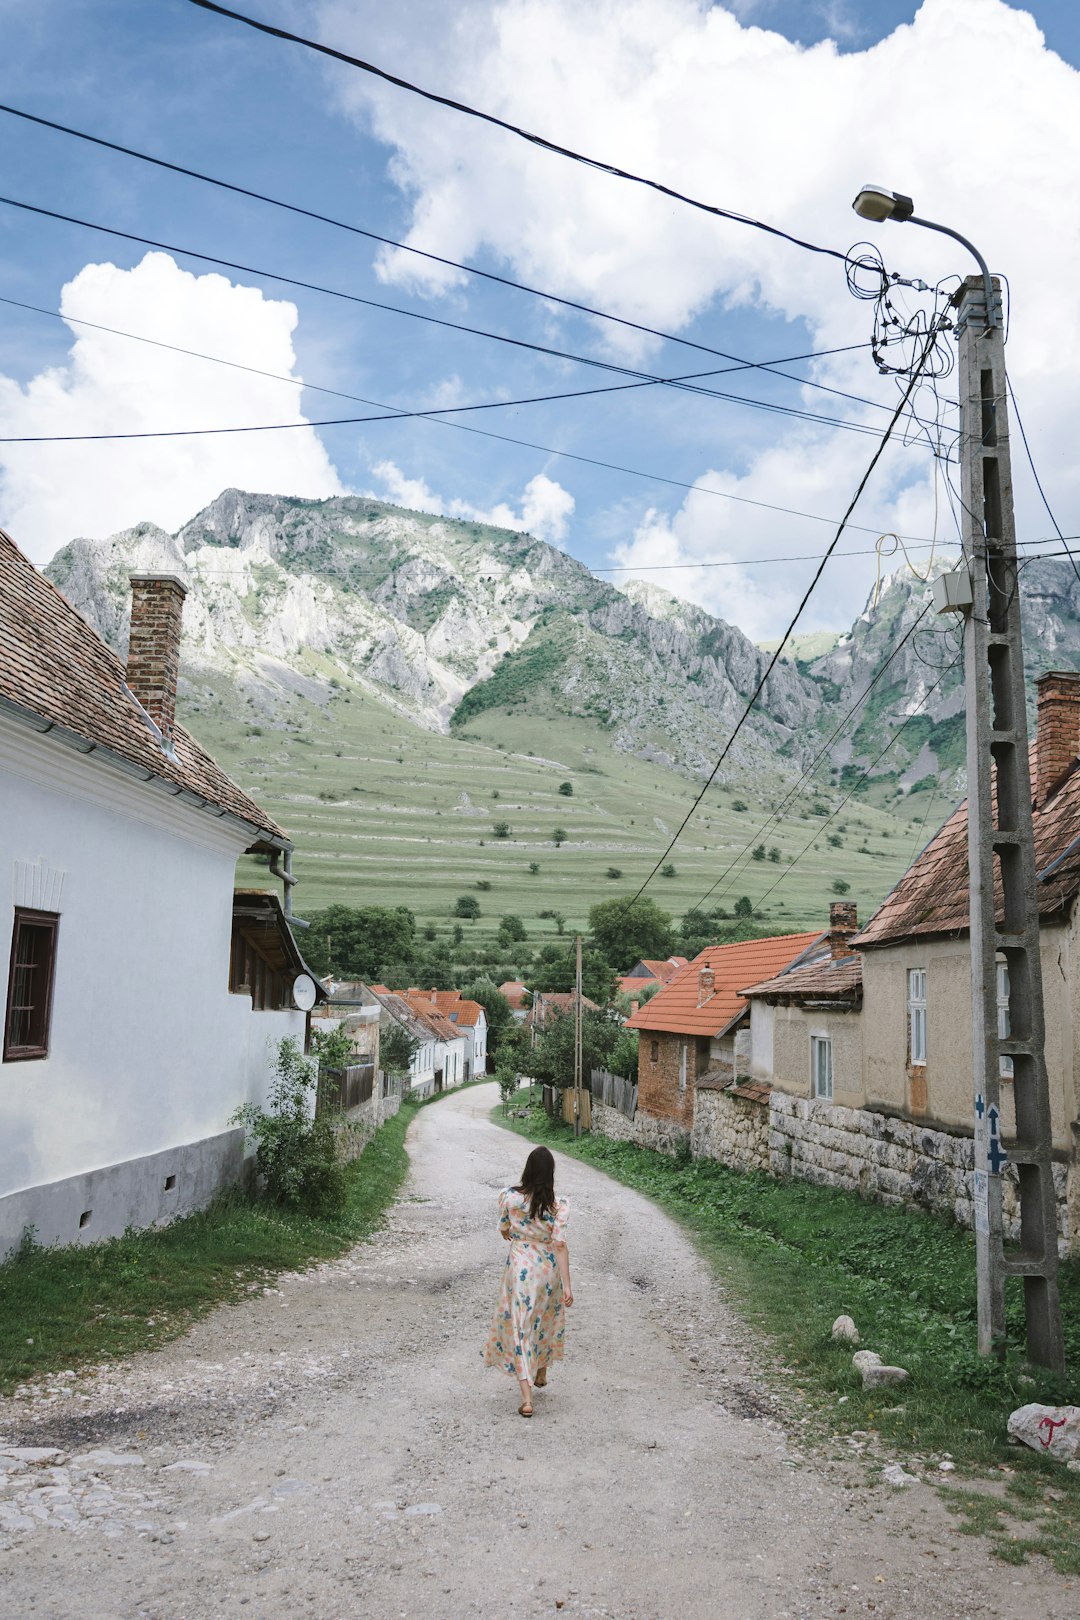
(1053, 1430)
(333, 1446)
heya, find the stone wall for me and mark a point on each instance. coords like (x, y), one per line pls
(892, 1160)
(662, 1135)
(360, 1124)
(730, 1128)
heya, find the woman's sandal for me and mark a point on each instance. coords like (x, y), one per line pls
(525, 1411)
(540, 1381)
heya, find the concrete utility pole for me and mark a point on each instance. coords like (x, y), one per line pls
(1001, 854)
(577, 1036)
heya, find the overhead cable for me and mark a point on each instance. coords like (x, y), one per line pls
(454, 264)
(540, 141)
(684, 384)
(925, 358)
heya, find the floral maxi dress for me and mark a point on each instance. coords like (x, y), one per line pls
(529, 1322)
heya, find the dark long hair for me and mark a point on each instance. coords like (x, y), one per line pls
(538, 1182)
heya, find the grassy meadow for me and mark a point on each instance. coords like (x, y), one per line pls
(385, 813)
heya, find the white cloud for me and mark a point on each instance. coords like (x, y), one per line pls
(51, 493)
(545, 506)
(730, 112)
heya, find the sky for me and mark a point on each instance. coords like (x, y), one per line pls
(776, 109)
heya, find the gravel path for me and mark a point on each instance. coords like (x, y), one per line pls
(334, 1447)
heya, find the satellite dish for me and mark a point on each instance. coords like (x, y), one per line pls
(303, 992)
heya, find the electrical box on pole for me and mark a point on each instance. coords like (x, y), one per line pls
(1001, 858)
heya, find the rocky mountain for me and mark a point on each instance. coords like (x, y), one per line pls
(442, 620)
(445, 621)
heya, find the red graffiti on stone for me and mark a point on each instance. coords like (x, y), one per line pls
(1049, 1424)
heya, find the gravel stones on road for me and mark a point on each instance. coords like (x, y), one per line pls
(334, 1445)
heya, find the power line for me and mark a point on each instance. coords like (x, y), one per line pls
(928, 347)
(740, 364)
(540, 141)
(684, 384)
(760, 831)
(461, 427)
(855, 787)
(1035, 475)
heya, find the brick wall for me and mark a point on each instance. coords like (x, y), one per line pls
(659, 1094)
(1059, 728)
(153, 660)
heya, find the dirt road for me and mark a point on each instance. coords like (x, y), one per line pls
(334, 1447)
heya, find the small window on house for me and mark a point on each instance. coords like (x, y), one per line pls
(1004, 1027)
(30, 984)
(916, 981)
(821, 1066)
(654, 1051)
(683, 1051)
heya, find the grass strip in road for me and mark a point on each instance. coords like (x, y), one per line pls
(66, 1307)
(794, 1256)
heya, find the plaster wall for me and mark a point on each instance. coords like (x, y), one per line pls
(792, 1030)
(148, 1051)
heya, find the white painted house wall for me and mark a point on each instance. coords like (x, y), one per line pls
(149, 1053)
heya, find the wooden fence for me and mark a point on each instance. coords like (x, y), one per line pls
(348, 1088)
(613, 1090)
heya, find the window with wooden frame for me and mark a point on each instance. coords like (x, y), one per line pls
(654, 1051)
(30, 985)
(916, 980)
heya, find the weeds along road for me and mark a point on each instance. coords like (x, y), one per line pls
(334, 1447)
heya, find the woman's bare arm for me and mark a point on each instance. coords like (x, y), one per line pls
(562, 1260)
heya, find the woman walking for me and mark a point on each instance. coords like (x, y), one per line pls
(527, 1329)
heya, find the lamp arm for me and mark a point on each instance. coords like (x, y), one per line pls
(946, 230)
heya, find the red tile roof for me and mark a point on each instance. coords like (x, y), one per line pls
(548, 1004)
(678, 1009)
(55, 666)
(822, 977)
(932, 895)
(514, 991)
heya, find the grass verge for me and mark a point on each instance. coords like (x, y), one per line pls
(793, 1257)
(66, 1307)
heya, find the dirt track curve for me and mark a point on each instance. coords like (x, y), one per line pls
(334, 1447)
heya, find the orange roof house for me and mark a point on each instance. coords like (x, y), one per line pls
(688, 1029)
(649, 972)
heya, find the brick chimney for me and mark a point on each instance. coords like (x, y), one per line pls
(706, 985)
(153, 661)
(1058, 733)
(843, 922)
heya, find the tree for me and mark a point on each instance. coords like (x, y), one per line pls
(614, 872)
(500, 829)
(397, 1048)
(558, 836)
(743, 906)
(622, 933)
(841, 886)
(534, 867)
(354, 940)
(668, 869)
(500, 1018)
(738, 804)
(467, 905)
(566, 789)
(512, 929)
(759, 852)
(552, 1058)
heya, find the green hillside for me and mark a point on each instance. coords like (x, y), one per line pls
(383, 812)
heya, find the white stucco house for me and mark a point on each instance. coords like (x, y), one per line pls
(142, 1001)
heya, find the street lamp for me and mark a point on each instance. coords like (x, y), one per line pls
(1001, 842)
(878, 203)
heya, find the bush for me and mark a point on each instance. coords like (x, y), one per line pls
(534, 867)
(558, 836)
(483, 883)
(501, 829)
(614, 872)
(774, 853)
(743, 906)
(506, 1079)
(738, 804)
(841, 886)
(566, 789)
(511, 929)
(668, 869)
(759, 852)
(296, 1154)
(467, 905)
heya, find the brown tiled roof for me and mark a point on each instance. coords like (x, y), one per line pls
(56, 667)
(752, 1091)
(448, 1002)
(514, 991)
(822, 977)
(676, 1010)
(932, 895)
(554, 1004)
